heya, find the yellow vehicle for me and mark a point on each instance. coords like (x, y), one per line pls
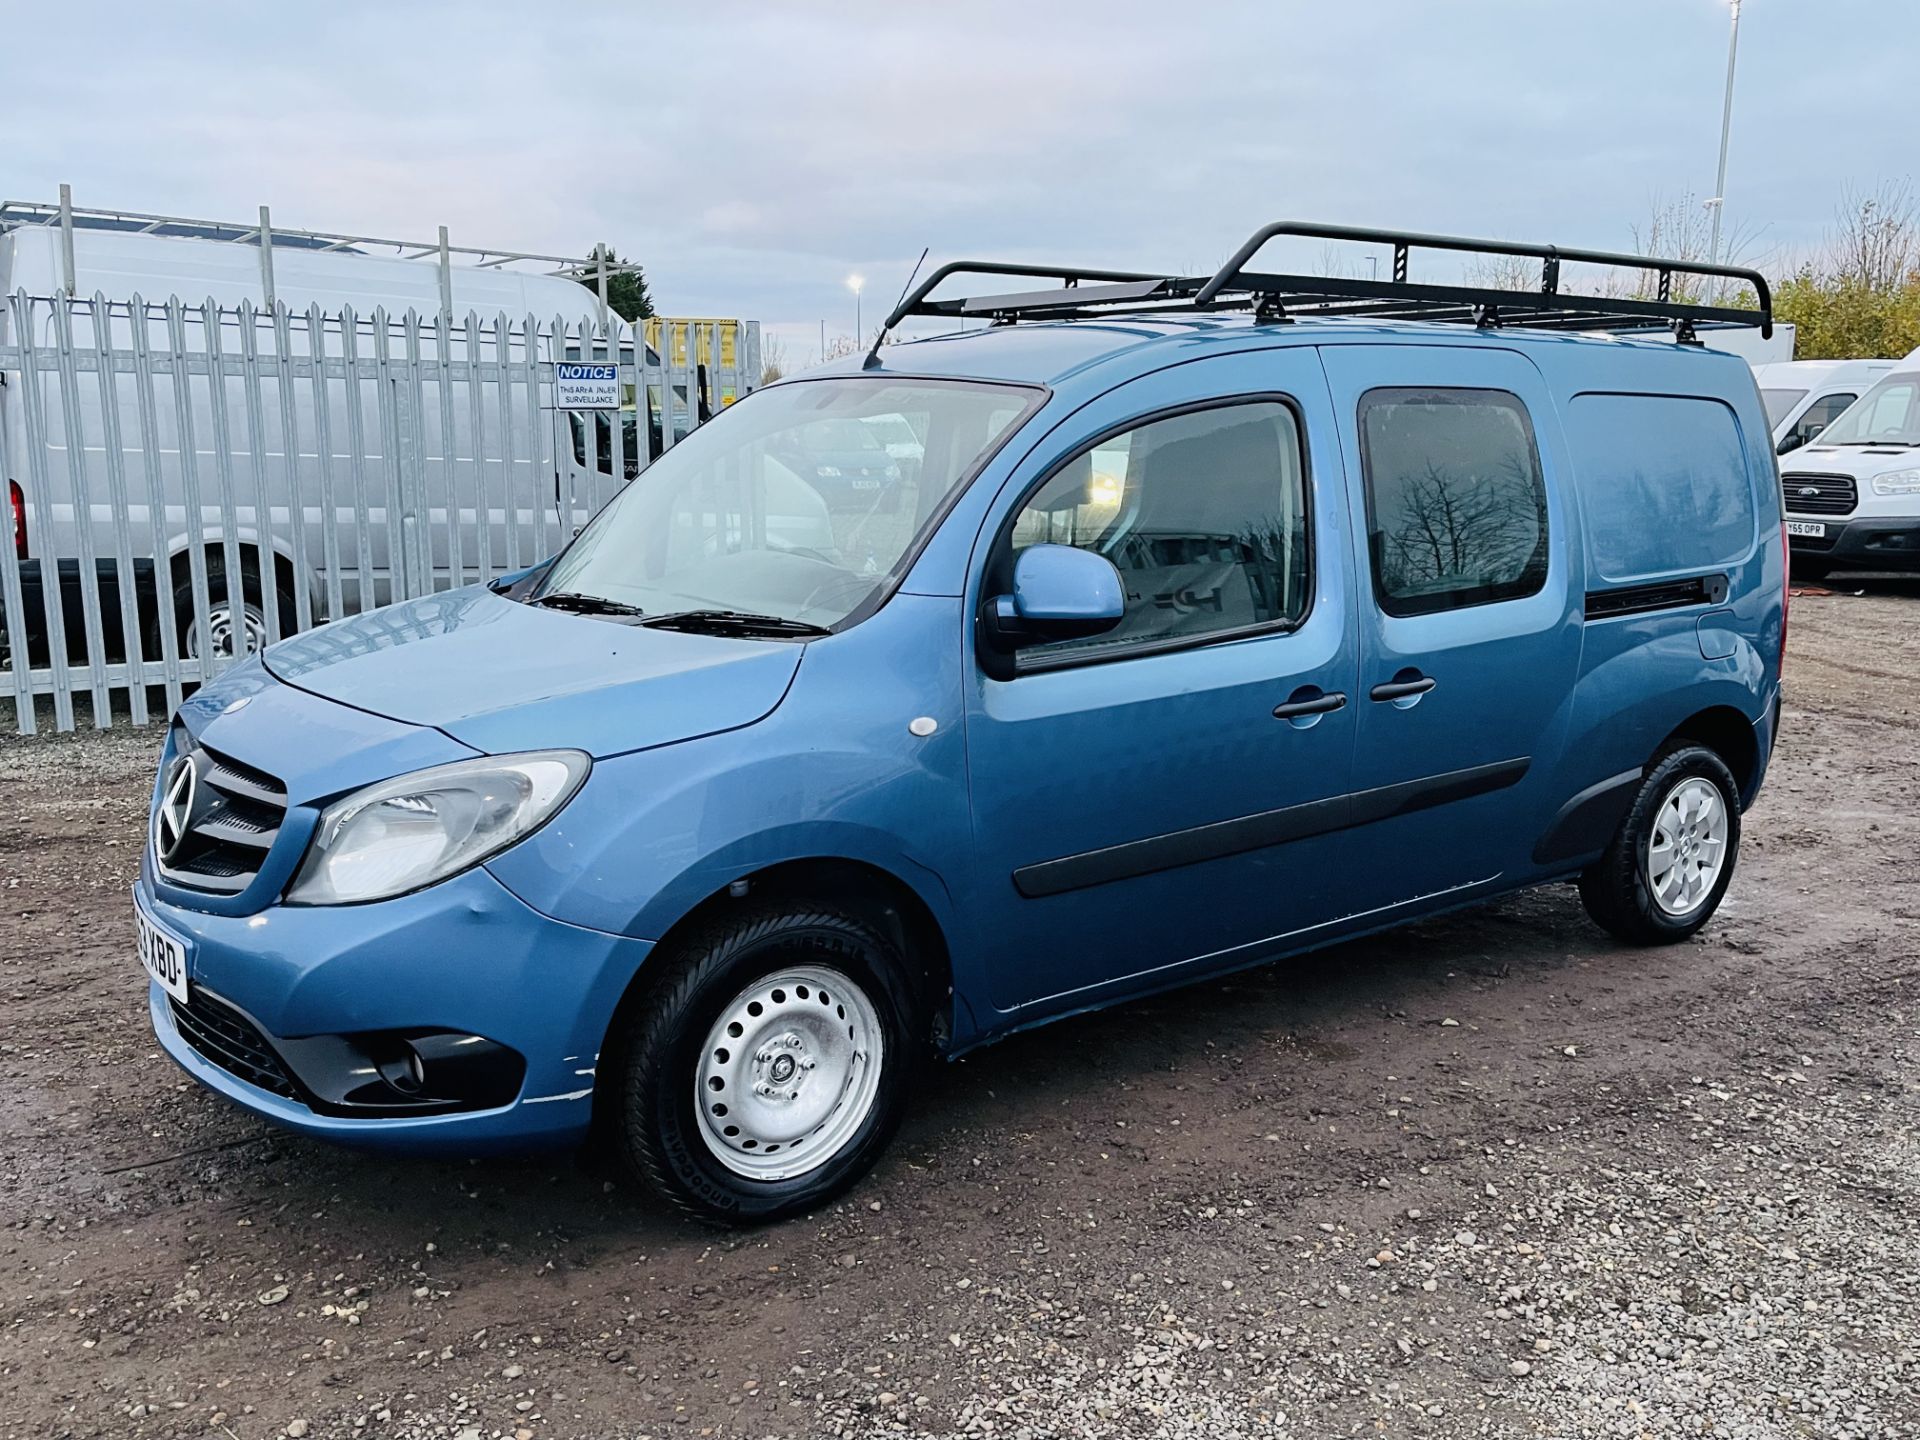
(716, 344)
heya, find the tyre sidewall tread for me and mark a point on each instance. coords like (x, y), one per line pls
(657, 1128)
(1615, 889)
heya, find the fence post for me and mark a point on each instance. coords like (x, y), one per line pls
(69, 279)
(266, 258)
(153, 468)
(74, 433)
(18, 660)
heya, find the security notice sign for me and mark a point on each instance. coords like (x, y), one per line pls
(586, 387)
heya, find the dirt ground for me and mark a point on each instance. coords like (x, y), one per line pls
(1492, 1175)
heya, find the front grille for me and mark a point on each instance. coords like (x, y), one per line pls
(221, 1034)
(232, 816)
(1820, 494)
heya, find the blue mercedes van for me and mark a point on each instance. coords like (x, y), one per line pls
(1216, 618)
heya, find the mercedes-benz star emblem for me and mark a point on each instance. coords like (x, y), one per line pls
(176, 810)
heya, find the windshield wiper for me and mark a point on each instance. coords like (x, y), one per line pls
(733, 622)
(576, 603)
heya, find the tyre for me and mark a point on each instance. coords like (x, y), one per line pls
(1811, 571)
(234, 631)
(768, 1067)
(1673, 857)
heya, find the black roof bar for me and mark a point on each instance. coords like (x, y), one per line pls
(1277, 295)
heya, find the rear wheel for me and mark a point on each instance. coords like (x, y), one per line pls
(1812, 571)
(1673, 857)
(767, 1069)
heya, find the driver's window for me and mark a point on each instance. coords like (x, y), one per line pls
(1816, 418)
(1203, 514)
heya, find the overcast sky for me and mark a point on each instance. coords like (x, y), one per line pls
(754, 155)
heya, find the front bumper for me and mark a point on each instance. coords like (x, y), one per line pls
(1864, 542)
(465, 956)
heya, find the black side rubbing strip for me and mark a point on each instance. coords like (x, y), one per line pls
(1659, 595)
(1256, 832)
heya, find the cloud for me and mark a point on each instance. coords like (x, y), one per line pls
(751, 156)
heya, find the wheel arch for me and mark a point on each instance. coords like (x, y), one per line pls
(287, 566)
(1729, 734)
(865, 889)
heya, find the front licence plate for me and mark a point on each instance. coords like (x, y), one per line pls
(164, 957)
(866, 484)
(1812, 529)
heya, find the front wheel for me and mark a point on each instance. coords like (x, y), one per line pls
(1673, 857)
(769, 1067)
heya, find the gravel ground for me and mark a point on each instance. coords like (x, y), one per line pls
(1490, 1175)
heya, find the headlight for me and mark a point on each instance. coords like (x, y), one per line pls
(1897, 482)
(827, 470)
(413, 830)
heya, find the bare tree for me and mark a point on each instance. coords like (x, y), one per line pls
(1452, 525)
(1504, 272)
(773, 357)
(1875, 241)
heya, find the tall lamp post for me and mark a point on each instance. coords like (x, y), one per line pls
(1719, 200)
(856, 283)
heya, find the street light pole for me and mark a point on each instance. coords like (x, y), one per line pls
(1719, 201)
(854, 283)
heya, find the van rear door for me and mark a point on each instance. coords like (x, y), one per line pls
(1470, 613)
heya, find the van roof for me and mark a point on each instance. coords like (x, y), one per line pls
(1051, 352)
(1819, 372)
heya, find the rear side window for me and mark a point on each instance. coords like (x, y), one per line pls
(1456, 506)
(1202, 513)
(1663, 484)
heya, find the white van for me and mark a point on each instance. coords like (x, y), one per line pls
(1804, 397)
(1853, 494)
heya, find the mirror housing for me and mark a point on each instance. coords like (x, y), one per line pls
(1059, 593)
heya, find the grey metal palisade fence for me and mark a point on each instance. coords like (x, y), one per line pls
(205, 478)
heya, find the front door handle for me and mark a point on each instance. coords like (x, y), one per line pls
(1317, 705)
(1402, 689)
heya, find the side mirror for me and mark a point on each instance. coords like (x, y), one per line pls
(1788, 442)
(1059, 593)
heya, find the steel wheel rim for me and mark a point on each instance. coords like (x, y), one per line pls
(1687, 849)
(789, 1073)
(220, 632)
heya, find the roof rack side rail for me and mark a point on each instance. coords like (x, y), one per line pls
(1551, 256)
(1069, 276)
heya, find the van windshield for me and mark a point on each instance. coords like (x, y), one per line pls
(1888, 414)
(787, 505)
(1780, 404)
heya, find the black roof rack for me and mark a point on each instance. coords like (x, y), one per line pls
(1083, 292)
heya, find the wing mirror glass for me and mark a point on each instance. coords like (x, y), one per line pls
(1059, 593)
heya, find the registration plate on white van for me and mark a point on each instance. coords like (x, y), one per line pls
(1812, 529)
(164, 957)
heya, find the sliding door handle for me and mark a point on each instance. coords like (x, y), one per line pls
(1402, 689)
(1313, 705)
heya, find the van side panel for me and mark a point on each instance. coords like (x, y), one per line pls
(1685, 605)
